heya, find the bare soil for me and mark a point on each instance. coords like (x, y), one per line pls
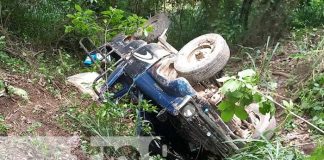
(41, 109)
(38, 116)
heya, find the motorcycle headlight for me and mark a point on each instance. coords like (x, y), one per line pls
(188, 110)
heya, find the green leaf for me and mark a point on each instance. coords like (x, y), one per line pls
(231, 85)
(246, 100)
(289, 105)
(257, 98)
(227, 115)
(224, 105)
(88, 12)
(70, 15)
(241, 113)
(68, 29)
(236, 94)
(285, 103)
(264, 107)
(297, 56)
(246, 73)
(149, 28)
(318, 153)
(78, 7)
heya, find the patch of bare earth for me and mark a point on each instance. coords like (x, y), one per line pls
(39, 115)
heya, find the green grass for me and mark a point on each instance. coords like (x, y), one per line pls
(264, 149)
(3, 126)
(12, 64)
(312, 100)
(107, 119)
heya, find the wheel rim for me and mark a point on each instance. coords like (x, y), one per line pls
(200, 54)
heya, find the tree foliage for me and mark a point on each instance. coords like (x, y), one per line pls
(102, 26)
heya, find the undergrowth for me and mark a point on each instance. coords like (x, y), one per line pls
(264, 149)
(312, 100)
(3, 126)
(109, 118)
(12, 64)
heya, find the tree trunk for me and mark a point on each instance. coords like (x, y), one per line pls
(245, 12)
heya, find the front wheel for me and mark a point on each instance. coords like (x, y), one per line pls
(204, 128)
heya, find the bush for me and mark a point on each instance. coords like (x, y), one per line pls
(108, 119)
(102, 26)
(41, 22)
(312, 100)
(309, 14)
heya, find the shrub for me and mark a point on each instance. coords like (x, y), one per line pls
(38, 21)
(109, 118)
(309, 14)
(101, 27)
(312, 100)
(240, 92)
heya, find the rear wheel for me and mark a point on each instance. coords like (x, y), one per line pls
(202, 58)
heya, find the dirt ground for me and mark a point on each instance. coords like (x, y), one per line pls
(37, 116)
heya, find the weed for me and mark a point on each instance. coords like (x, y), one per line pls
(317, 153)
(37, 21)
(108, 119)
(52, 71)
(58, 66)
(312, 100)
(309, 88)
(12, 64)
(2, 85)
(86, 96)
(33, 127)
(241, 92)
(264, 149)
(3, 127)
(310, 13)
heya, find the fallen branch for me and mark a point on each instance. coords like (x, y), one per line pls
(281, 74)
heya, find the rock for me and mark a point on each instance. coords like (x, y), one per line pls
(84, 82)
(18, 92)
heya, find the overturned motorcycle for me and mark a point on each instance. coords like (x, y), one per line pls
(183, 85)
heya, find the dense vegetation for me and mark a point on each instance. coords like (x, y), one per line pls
(39, 39)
